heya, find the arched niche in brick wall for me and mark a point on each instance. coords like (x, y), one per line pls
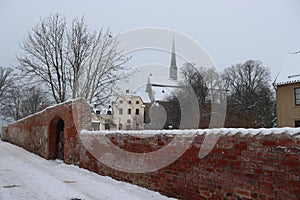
(56, 137)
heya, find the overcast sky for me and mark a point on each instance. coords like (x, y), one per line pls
(231, 31)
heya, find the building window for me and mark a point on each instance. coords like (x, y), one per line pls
(128, 121)
(128, 127)
(96, 126)
(137, 102)
(137, 111)
(106, 126)
(121, 101)
(121, 111)
(297, 96)
(297, 123)
(129, 102)
(129, 111)
(98, 112)
(120, 126)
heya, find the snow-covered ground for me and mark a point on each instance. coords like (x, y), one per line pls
(24, 176)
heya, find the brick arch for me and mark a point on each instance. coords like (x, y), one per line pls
(53, 135)
(37, 133)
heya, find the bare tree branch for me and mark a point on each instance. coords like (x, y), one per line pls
(6, 80)
(72, 62)
(251, 99)
(43, 56)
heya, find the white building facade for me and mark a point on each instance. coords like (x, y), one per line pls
(128, 112)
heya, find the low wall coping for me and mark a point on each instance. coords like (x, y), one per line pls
(295, 132)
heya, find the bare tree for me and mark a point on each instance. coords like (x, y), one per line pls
(206, 82)
(251, 98)
(195, 78)
(6, 80)
(80, 44)
(43, 58)
(6, 83)
(34, 99)
(248, 77)
(214, 83)
(72, 62)
(23, 101)
(203, 82)
(96, 64)
(11, 109)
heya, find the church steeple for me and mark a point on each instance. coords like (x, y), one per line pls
(149, 90)
(173, 67)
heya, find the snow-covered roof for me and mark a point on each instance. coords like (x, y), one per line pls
(160, 93)
(127, 96)
(157, 75)
(162, 87)
(162, 80)
(290, 72)
(285, 79)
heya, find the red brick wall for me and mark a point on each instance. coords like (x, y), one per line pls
(238, 167)
(37, 133)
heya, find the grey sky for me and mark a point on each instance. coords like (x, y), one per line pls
(231, 31)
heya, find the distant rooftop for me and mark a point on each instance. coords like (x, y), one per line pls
(290, 73)
(288, 79)
(161, 93)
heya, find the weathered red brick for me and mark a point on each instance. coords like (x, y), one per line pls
(285, 142)
(269, 143)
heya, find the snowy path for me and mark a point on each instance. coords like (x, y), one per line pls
(24, 176)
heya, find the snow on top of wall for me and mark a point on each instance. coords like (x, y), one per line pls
(222, 131)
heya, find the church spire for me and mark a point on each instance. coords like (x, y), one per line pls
(173, 67)
(150, 91)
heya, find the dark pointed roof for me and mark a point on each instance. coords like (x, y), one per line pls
(173, 66)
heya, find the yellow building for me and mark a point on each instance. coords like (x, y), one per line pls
(288, 102)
